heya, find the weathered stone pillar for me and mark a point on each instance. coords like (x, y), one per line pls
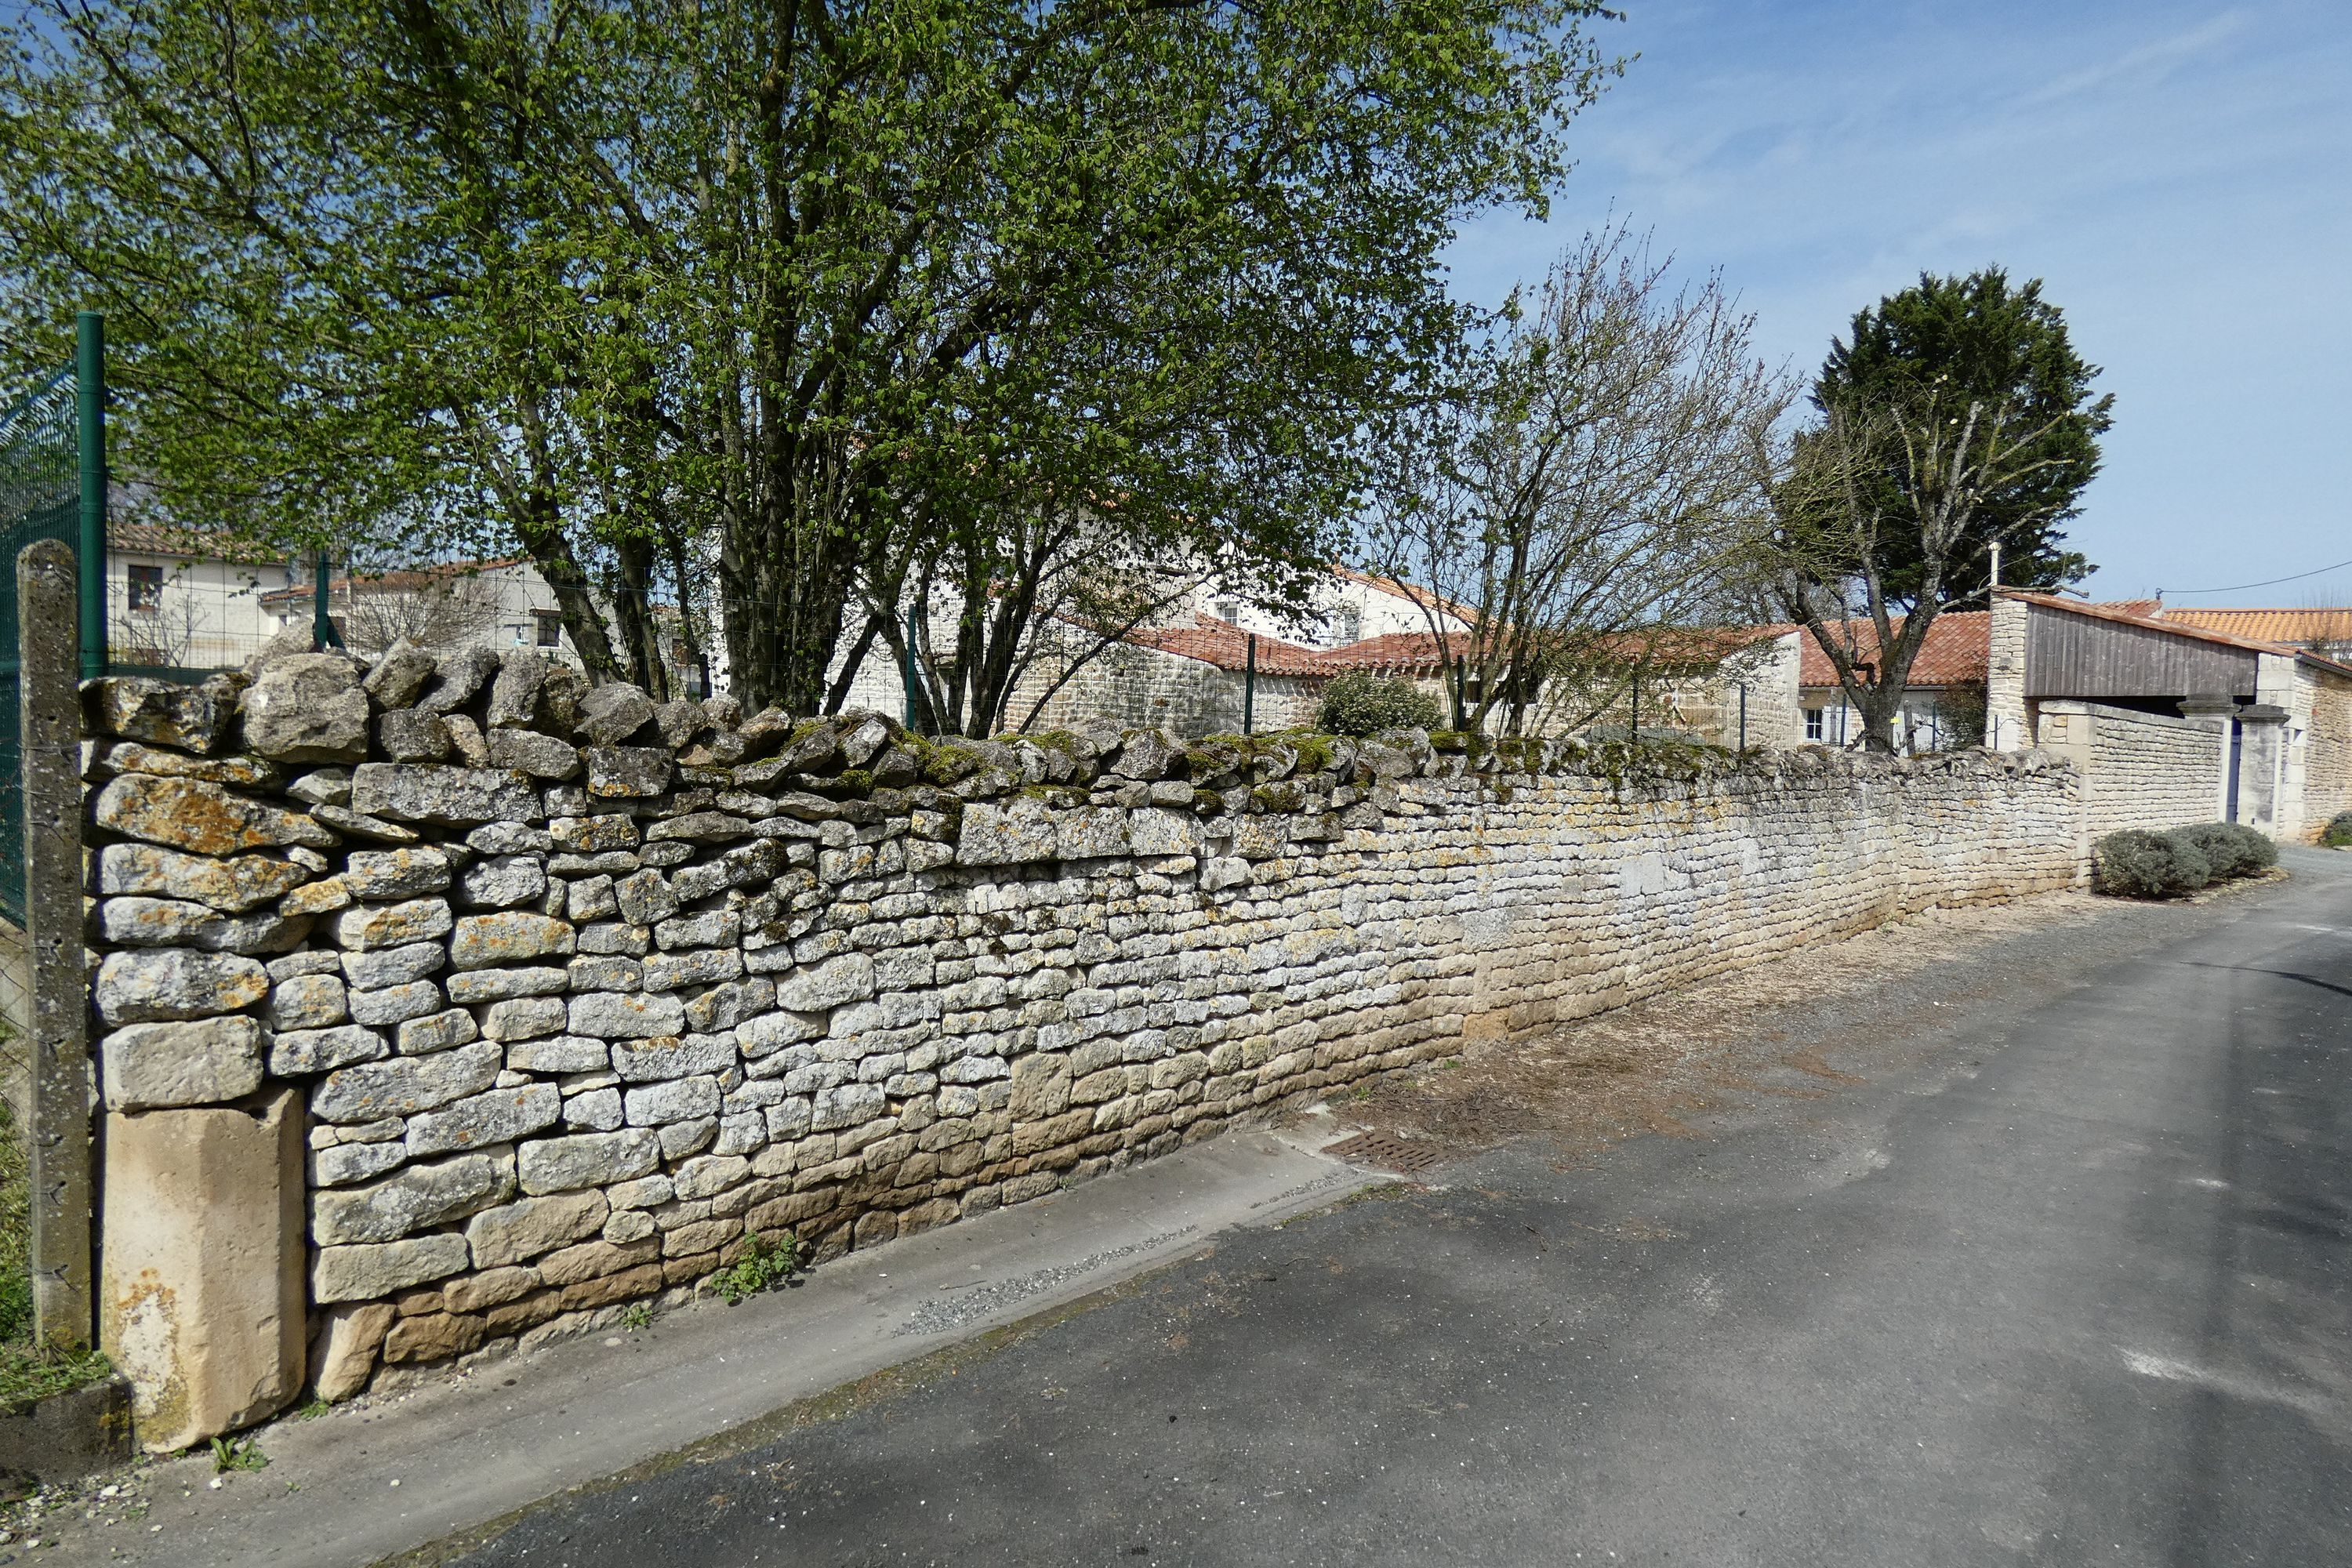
(2261, 757)
(47, 589)
(203, 1253)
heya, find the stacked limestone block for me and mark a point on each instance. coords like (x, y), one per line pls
(581, 992)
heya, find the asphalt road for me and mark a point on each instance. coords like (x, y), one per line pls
(2061, 1280)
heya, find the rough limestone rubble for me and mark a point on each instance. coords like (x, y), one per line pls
(581, 992)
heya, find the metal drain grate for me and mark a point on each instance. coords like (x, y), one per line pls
(1384, 1150)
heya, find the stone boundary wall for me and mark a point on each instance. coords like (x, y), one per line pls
(575, 994)
(2140, 770)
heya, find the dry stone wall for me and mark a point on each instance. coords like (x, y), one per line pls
(2140, 770)
(579, 992)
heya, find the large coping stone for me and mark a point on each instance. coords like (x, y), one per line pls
(453, 797)
(616, 1015)
(507, 936)
(587, 1160)
(611, 713)
(201, 1273)
(166, 984)
(231, 886)
(308, 709)
(405, 1086)
(152, 1066)
(396, 873)
(162, 712)
(400, 674)
(190, 814)
(418, 1198)
(369, 1270)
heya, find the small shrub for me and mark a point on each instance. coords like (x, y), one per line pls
(2338, 834)
(1361, 705)
(2135, 864)
(761, 1266)
(2232, 848)
(637, 1317)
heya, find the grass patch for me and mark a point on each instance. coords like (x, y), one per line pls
(27, 1372)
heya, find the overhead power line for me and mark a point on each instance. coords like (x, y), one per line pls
(2242, 587)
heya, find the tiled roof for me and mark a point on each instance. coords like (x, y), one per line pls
(1418, 653)
(130, 537)
(2133, 606)
(2179, 628)
(397, 581)
(2296, 627)
(1226, 645)
(1956, 649)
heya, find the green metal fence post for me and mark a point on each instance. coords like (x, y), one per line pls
(909, 671)
(322, 624)
(89, 378)
(1249, 689)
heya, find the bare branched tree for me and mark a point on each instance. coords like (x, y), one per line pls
(1840, 522)
(436, 610)
(1587, 481)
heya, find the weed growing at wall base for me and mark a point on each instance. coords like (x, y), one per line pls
(762, 1265)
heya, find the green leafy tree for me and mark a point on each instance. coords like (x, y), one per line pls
(781, 313)
(1958, 419)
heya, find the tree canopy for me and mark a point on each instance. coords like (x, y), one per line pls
(1977, 340)
(1957, 417)
(776, 315)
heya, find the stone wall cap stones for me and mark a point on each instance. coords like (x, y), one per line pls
(192, 814)
(162, 712)
(541, 756)
(628, 773)
(400, 674)
(611, 714)
(449, 796)
(307, 709)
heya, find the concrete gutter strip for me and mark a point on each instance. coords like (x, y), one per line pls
(378, 1479)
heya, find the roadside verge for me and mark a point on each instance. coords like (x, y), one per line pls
(381, 1477)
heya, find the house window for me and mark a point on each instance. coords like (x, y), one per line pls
(1229, 610)
(1813, 723)
(1347, 626)
(551, 627)
(146, 588)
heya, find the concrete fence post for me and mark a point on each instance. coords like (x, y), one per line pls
(47, 595)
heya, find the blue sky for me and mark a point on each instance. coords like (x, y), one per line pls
(2179, 175)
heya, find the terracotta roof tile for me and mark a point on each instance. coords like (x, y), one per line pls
(1226, 645)
(1958, 650)
(2297, 627)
